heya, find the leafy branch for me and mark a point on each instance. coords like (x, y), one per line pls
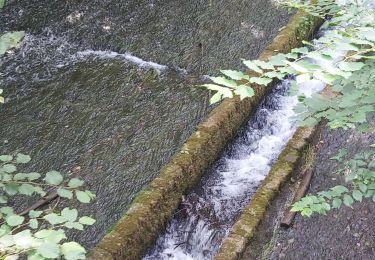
(359, 173)
(39, 233)
(348, 44)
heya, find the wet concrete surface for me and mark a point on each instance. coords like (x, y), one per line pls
(346, 233)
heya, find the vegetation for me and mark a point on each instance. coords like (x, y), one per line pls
(38, 233)
(351, 35)
(349, 45)
(359, 173)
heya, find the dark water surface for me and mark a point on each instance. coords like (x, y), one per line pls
(70, 104)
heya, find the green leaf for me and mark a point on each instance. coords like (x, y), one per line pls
(297, 66)
(244, 91)
(357, 195)
(20, 176)
(11, 189)
(303, 50)
(9, 168)
(346, 46)
(319, 56)
(54, 219)
(274, 74)
(75, 183)
(310, 121)
(90, 194)
(64, 193)
(224, 81)
(363, 187)
(336, 203)
(53, 178)
(14, 220)
(264, 65)
(7, 210)
(2, 3)
(326, 206)
(44, 233)
(26, 189)
(74, 225)
(23, 158)
(6, 158)
(56, 236)
(24, 239)
(35, 213)
(10, 40)
(351, 66)
(348, 201)
(277, 60)
(32, 176)
(4, 230)
(6, 177)
(70, 215)
(48, 250)
(50, 235)
(234, 74)
(251, 65)
(86, 220)
(339, 189)
(222, 90)
(33, 255)
(73, 251)
(216, 98)
(325, 77)
(306, 212)
(33, 223)
(260, 81)
(3, 199)
(83, 196)
(40, 191)
(7, 241)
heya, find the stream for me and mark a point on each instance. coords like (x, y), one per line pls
(207, 213)
(108, 87)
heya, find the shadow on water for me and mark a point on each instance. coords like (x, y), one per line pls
(120, 123)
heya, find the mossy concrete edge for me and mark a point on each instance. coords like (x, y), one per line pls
(244, 228)
(146, 217)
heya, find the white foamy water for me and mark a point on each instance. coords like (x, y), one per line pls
(205, 215)
(66, 53)
(125, 56)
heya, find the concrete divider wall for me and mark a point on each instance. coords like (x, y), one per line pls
(138, 229)
(244, 228)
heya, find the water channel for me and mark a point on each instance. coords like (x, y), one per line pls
(108, 87)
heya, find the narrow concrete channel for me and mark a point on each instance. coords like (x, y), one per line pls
(133, 235)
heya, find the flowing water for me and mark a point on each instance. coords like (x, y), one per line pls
(206, 214)
(107, 87)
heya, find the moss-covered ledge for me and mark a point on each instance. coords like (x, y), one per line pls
(137, 230)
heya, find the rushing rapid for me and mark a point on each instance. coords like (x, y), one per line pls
(205, 215)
